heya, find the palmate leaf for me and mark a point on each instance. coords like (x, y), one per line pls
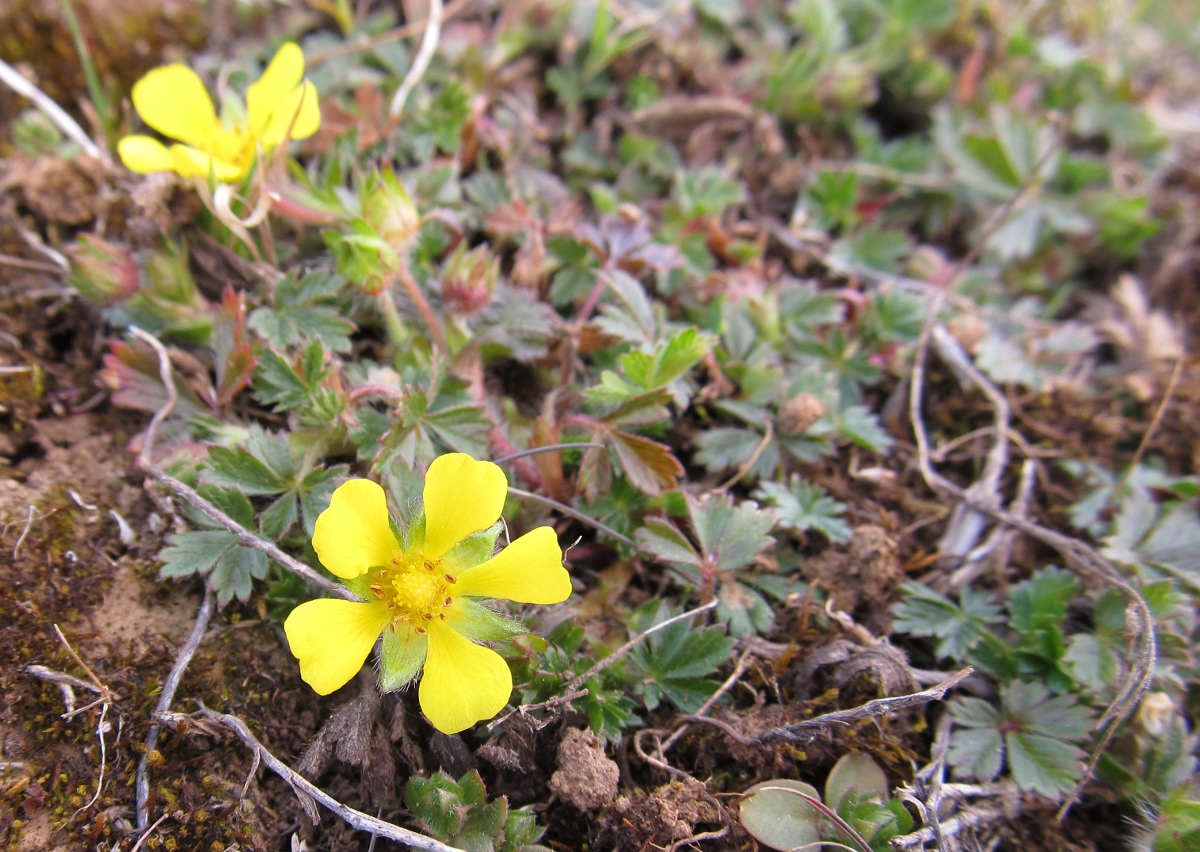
(428, 420)
(674, 662)
(303, 310)
(730, 536)
(266, 467)
(802, 506)
(229, 568)
(727, 536)
(669, 360)
(1036, 735)
(924, 612)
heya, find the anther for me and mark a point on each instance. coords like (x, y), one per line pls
(428, 565)
(450, 578)
(421, 631)
(382, 573)
(428, 616)
(376, 590)
(449, 600)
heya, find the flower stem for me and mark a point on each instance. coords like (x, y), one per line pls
(423, 307)
(397, 334)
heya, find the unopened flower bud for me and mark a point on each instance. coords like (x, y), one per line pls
(799, 413)
(389, 210)
(101, 271)
(469, 279)
(1155, 713)
(968, 330)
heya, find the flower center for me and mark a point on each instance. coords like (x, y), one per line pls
(416, 589)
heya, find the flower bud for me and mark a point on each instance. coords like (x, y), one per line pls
(1155, 713)
(469, 279)
(798, 414)
(101, 271)
(389, 210)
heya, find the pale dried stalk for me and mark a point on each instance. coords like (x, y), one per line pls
(429, 43)
(51, 110)
(170, 687)
(810, 728)
(305, 790)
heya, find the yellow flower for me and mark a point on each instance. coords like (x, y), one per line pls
(420, 588)
(172, 100)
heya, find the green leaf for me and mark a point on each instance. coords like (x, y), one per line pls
(663, 540)
(302, 312)
(743, 610)
(855, 774)
(237, 468)
(1041, 601)
(728, 447)
(234, 573)
(924, 612)
(194, 552)
(673, 662)
(730, 536)
(287, 385)
(804, 506)
(706, 191)
(1035, 733)
(782, 820)
(668, 362)
(1043, 764)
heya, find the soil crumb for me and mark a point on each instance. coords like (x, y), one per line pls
(586, 777)
(669, 814)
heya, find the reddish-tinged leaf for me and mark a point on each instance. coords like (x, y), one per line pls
(648, 465)
(235, 360)
(131, 372)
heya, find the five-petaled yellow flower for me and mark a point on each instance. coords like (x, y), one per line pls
(172, 100)
(420, 587)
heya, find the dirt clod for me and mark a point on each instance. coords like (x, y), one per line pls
(866, 574)
(670, 813)
(586, 777)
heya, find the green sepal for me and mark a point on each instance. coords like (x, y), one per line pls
(396, 531)
(401, 656)
(476, 621)
(360, 585)
(415, 539)
(474, 549)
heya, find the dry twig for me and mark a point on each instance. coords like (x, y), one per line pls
(429, 43)
(808, 729)
(51, 110)
(169, 688)
(307, 792)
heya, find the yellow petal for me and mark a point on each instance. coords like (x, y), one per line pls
(462, 496)
(463, 682)
(173, 101)
(144, 155)
(331, 639)
(276, 83)
(354, 534)
(301, 105)
(529, 570)
(192, 163)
